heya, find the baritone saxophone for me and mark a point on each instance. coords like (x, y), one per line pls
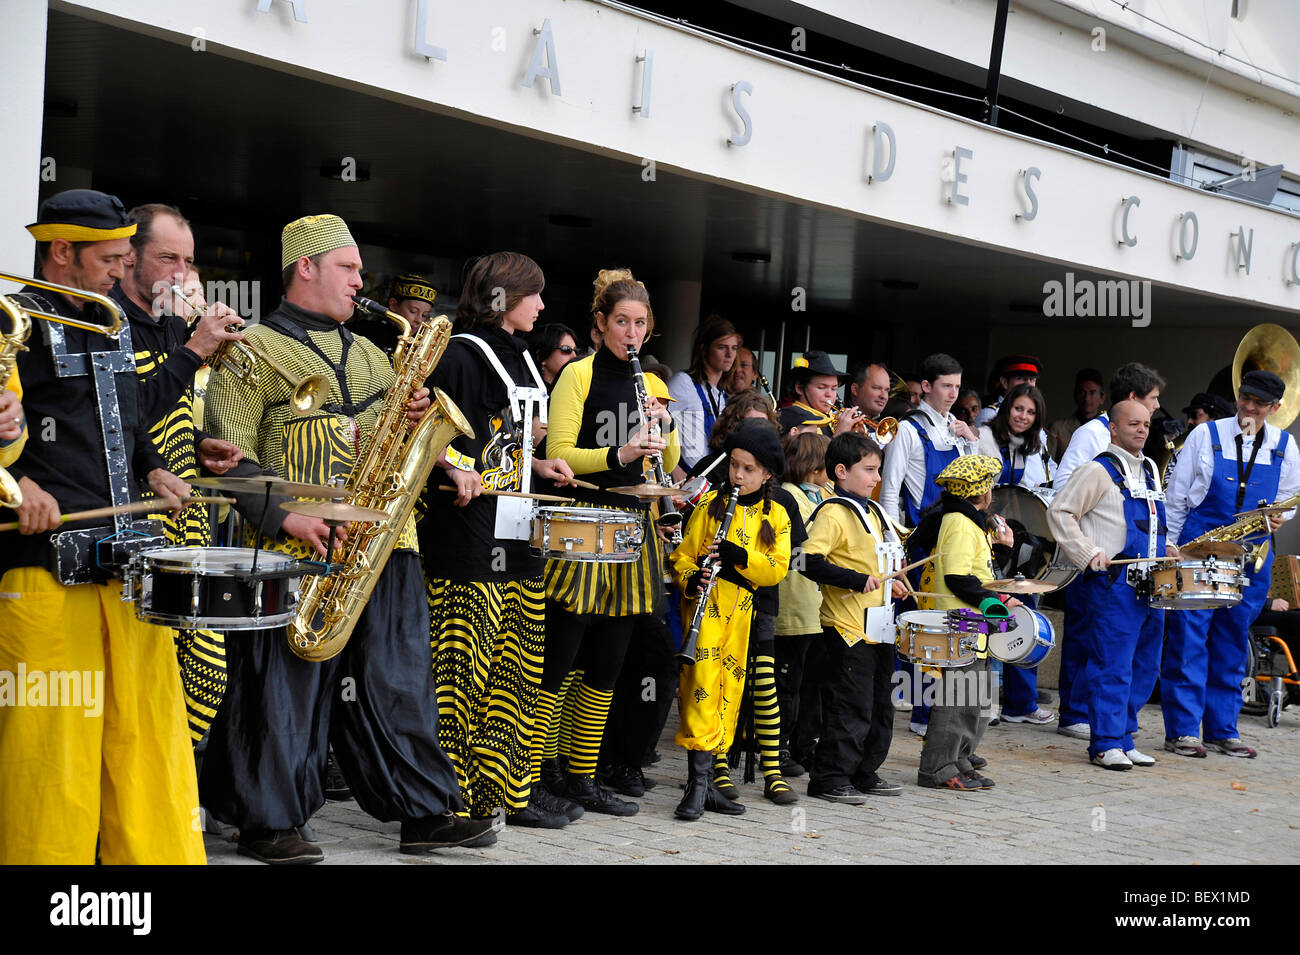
(390, 478)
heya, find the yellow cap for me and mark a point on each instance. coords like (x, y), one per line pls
(313, 235)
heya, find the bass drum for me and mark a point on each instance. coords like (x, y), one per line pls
(1035, 554)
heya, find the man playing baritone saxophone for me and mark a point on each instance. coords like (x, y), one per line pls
(1113, 508)
(1226, 466)
(374, 702)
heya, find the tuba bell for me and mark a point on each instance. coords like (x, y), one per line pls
(1272, 348)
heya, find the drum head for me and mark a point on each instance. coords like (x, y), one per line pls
(1029, 507)
(926, 621)
(213, 560)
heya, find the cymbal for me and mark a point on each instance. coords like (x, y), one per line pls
(1019, 585)
(331, 511)
(258, 485)
(1212, 548)
(646, 490)
(1263, 512)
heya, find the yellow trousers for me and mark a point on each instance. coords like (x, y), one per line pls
(708, 696)
(93, 738)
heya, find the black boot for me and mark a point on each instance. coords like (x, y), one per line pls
(697, 785)
(716, 801)
(552, 777)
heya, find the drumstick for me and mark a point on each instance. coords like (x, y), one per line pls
(1139, 560)
(903, 570)
(534, 497)
(583, 484)
(138, 507)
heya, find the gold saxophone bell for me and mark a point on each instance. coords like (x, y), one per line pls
(241, 358)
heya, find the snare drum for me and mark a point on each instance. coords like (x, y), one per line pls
(1197, 584)
(212, 588)
(588, 533)
(1028, 644)
(925, 637)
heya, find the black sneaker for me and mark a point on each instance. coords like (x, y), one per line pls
(778, 791)
(976, 781)
(533, 816)
(278, 847)
(590, 795)
(626, 780)
(336, 787)
(847, 795)
(446, 831)
(977, 762)
(878, 787)
(556, 805)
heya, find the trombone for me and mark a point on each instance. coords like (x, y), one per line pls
(11, 343)
(116, 318)
(240, 359)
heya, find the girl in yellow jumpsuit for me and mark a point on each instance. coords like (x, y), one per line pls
(755, 553)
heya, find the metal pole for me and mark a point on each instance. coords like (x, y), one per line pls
(995, 64)
(779, 367)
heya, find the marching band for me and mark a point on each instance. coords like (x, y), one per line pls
(443, 559)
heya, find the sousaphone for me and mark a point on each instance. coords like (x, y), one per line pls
(1272, 348)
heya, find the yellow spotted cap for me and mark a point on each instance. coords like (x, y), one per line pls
(970, 475)
(313, 235)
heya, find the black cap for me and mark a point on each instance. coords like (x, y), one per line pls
(82, 215)
(1212, 405)
(761, 440)
(1263, 385)
(1009, 365)
(815, 363)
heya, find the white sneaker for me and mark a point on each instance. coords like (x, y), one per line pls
(1139, 758)
(1076, 731)
(919, 728)
(1038, 717)
(902, 706)
(1113, 759)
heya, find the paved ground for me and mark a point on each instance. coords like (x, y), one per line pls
(1050, 806)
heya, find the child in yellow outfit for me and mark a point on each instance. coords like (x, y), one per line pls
(955, 531)
(755, 553)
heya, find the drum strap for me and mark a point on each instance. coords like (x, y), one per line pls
(1148, 491)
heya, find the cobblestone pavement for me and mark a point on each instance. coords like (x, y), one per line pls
(1050, 806)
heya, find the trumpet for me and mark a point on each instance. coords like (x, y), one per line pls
(116, 318)
(240, 359)
(884, 429)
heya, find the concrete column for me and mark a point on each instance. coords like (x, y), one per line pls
(22, 106)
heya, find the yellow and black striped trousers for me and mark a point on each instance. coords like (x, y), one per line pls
(609, 589)
(487, 667)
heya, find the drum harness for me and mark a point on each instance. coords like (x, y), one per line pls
(1138, 576)
(878, 622)
(515, 515)
(94, 554)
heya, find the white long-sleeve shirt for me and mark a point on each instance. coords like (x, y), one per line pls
(1087, 516)
(1194, 469)
(905, 458)
(688, 412)
(1036, 472)
(1088, 441)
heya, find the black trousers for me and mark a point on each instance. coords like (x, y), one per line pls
(265, 760)
(859, 715)
(791, 654)
(643, 694)
(598, 642)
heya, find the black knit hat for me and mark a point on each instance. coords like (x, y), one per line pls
(761, 440)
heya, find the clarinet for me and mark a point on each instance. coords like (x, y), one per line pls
(671, 518)
(686, 654)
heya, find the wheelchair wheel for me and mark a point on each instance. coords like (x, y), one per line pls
(1276, 702)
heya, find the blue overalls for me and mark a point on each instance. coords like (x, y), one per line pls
(1207, 650)
(1074, 648)
(1123, 640)
(935, 461)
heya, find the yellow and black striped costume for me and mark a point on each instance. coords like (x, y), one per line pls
(201, 653)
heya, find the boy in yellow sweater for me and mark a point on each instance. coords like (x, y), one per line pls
(850, 547)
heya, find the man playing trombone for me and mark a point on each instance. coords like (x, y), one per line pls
(117, 767)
